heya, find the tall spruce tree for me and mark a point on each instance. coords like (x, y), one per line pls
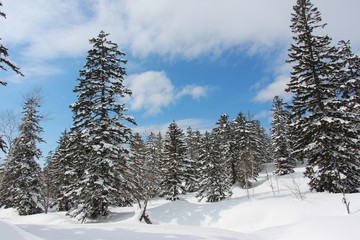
(137, 166)
(280, 141)
(98, 136)
(21, 186)
(56, 177)
(223, 135)
(263, 143)
(317, 125)
(153, 156)
(173, 168)
(349, 77)
(192, 141)
(215, 181)
(346, 120)
(247, 150)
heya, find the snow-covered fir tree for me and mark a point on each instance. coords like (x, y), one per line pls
(98, 137)
(56, 177)
(21, 186)
(246, 150)
(322, 135)
(48, 189)
(280, 142)
(137, 166)
(153, 156)
(192, 141)
(223, 135)
(346, 120)
(172, 167)
(263, 142)
(349, 77)
(215, 182)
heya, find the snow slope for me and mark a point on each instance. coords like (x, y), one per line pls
(261, 214)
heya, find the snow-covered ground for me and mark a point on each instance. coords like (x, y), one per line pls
(268, 213)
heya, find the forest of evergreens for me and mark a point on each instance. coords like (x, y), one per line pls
(101, 162)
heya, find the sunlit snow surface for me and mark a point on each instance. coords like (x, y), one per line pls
(269, 214)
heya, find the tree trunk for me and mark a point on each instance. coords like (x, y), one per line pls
(144, 215)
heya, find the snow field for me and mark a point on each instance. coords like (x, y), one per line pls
(264, 215)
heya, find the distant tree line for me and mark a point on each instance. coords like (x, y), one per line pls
(100, 162)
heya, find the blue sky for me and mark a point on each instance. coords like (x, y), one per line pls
(188, 61)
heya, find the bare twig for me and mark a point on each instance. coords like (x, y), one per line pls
(294, 188)
(347, 204)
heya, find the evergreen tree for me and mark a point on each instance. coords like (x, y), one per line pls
(246, 149)
(346, 120)
(4, 61)
(56, 177)
(98, 136)
(349, 77)
(192, 141)
(21, 186)
(137, 165)
(317, 125)
(263, 143)
(223, 135)
(280, 141)
(172, 168)
(215, 182)
(153, 157)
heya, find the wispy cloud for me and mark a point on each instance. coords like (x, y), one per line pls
(43, 30)
(275, 88)
(195, 91)
(169, 28)
(153, 91)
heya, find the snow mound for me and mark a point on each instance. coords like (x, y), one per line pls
(11, 232)
(269, 211)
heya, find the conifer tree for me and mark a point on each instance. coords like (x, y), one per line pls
(317, 125)
(262, 143)
(280, 141)
(137, 165)
(56, 177)
(223, 135)
(215, 183)
(192, 141)
(153, 157)
(21, 187)
(98, 136)
(346, 120)
(349, 78)
(172, 168)
(246, 149)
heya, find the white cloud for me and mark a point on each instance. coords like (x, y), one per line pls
(153, 91)
(195, 91)
(48, 29)
(40, 30)
(275, 88)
